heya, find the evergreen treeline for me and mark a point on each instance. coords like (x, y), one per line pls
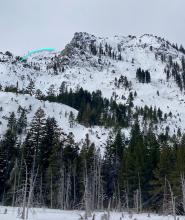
(96, 110)
(176, 71)
(49, 169)
(93, 109)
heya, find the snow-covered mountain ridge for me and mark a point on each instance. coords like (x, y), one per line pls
(97, 64)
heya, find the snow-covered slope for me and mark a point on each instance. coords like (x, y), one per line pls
(81, 65)
(9, 102)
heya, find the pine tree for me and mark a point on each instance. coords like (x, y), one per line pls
(163, 171)
(31, 87)
(111, 165)
(12, 123)
(39, 94)
(147, 77)
(62, 88)
(71, 119)
(51, 91)
(34, 138)
(153, 157)
(50, 138)
(22, 122)
(50, 159)
(136, 161)
(8, 154)
(70, 159)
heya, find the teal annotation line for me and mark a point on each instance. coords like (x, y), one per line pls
(36, 51)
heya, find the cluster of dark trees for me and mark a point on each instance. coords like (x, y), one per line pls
(122, 82)
(179, 48)
(105, 50)
(93, 109)
(49, 169)
(143, 76)
(151, 114)
(176, 71)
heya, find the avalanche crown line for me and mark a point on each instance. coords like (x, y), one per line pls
(36, 51)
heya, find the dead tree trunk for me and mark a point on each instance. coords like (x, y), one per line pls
(23, 216)
(41, 194)
(99, 184)
(165, 199)
(15, 183)
(68, 189)
(139, 196)
(61, 196)
(136, 201)
(172, 200)
(74, 185)
(108, 211)
(51, 189)
(86, 194)
(31, 190)
(183, 189)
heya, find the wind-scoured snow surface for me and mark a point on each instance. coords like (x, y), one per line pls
(83, 69)
(48, 214)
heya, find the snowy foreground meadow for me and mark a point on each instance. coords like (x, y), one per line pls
(51, 214)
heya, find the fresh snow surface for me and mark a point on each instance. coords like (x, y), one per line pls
(84, 70)
(10, 103)
(51, 214)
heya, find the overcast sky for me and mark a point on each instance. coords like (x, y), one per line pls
(32, 24)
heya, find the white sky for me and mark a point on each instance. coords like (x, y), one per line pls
(32, 24)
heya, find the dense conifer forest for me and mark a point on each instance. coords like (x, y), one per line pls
(49, 169)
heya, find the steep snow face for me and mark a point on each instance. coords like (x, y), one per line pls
(10, 102)
(80, 65)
